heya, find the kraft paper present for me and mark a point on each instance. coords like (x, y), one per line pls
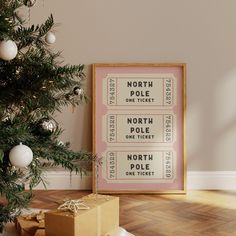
(114, 232)
(101, 218)
(26, 227)
(108, 212)
(40, 232)
(64, 223)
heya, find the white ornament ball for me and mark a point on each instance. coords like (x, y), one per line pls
(21, 155)
(50, 38)
(8, 50)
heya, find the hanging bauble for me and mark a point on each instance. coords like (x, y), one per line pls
(77, 90)
(29, 3)
(50, 38)
(8, 50)
(21, 156)
(48, 125)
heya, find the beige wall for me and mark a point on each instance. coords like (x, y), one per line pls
(200, 33)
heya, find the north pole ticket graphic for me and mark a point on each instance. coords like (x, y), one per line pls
(139, 128)
(135, 166)
(139, 90)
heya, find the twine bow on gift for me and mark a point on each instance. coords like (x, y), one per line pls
(73, 206)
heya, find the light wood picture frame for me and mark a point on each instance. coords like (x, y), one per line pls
(139, 127)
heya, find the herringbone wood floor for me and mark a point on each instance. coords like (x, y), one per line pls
(207, 213)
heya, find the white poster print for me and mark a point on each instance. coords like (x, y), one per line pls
(139, 90)
(140, 165)
(126, 166)
(139, 128)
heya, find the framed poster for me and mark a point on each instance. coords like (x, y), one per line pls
(139, 128)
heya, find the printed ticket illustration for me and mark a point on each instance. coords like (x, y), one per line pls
(136, 166)
(139, 128)
(139, 90)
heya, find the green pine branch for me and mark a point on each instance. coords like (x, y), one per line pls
(33, 86)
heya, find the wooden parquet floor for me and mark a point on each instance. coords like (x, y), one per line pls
(207, 213)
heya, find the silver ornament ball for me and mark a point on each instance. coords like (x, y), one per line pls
(49, 125)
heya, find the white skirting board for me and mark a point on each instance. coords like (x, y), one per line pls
(64, 180)
(211, 180)
(196, 180)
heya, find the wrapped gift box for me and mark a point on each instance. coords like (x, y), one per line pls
(59, 223)
(27, 225)
(40, 232)
(108, 212)
(114, 232)
(101, 219)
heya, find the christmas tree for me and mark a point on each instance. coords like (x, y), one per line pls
(33, 85)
